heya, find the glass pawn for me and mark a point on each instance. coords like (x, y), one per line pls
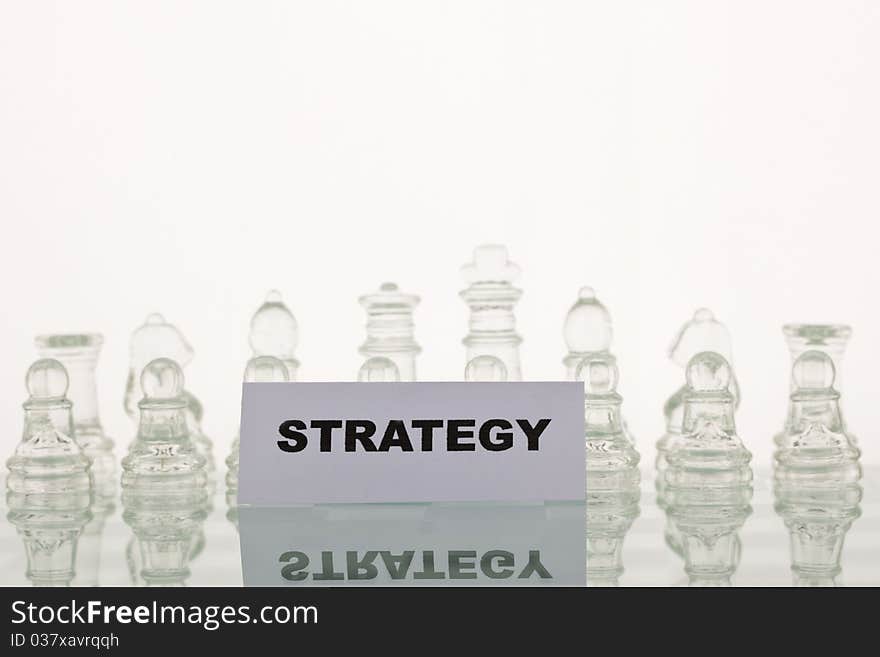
(48, 489)
(830, 339)
(79, 355)
(274, 332)
(611, 458)
(611, 511)
(390, 328)
(708, 480)
(164, 482)
(491, 297)
(378, 370)
(815, 439)
(156, 338)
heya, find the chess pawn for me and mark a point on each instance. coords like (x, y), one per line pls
(485, 368)
(164, 484)
(378, 370)
(815, 438)
(258, 369)
(491, 297)
(700, 334)
(275, 332)
(817, 513)
(611, 510)
(830, 339)
(48, 486)
(79, 355)
(156, 338)
(390, 328)
(610, 454)
(587, 331)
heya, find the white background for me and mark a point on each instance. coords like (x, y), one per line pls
(187, 156)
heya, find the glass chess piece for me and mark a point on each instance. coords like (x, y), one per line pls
(156, 338)
(79, 355)
(164, 482)
(48, 489)
(818, 513)
(390, 328)
(491, 297)
(274, 332)
(258, 369)
(815, 438)
(830, 339)
(378, 369)
(612, 507)
(485, 368)
(611, 456)
(703, 332)
(708, 481)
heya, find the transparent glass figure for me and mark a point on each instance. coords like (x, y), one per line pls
(588, 332)
(491, 297)
(708, 479)
(378, 370)
(611, 458)
(274, 332)
(164, 481)
(265, 369)
(702, 333)
(830, 339)
(48, 488)
(485, 368)
(156, 338)
(79, 355)
(818, 513)
(390, 328)
(612, 506)
(815, 438)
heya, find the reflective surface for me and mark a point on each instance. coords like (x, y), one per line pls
(824, 536)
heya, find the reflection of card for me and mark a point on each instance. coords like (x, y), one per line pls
(317, 443)
(414, 545)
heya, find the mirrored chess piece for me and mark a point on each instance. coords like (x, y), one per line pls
(164, 482)
(79, 355)
(491, 297)
(702, 333)
(830, 339)
(258, 369)
(156, 338)
(378, 369)
(48, 488)
(708, 478)
(612, 506)
(390, 328)
(274, 332)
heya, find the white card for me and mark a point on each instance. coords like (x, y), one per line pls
(313, 443)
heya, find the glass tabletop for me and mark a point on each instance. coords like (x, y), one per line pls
(631, 540)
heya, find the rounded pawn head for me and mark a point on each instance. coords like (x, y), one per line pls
(378, 370)
(274, 331)
(813, 370)
(47, 379)
(162, 379)
(265, 369)
(708, 372)
(588, 324)
(701, 333)
(485, 368)
(599, 376)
